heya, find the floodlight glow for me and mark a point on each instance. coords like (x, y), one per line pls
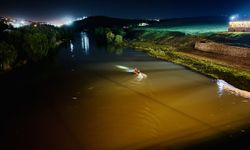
(22, 22)
(81, 18)
(18, 23)
(68, 20)
(234, 17)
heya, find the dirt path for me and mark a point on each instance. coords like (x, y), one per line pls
(235, 62)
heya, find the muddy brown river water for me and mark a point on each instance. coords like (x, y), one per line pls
(89, 100)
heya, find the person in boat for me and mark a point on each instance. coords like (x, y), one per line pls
(137, 71)
(139, 75)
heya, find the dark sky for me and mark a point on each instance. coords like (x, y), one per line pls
(51, 9)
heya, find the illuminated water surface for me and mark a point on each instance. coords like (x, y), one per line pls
(93, 101)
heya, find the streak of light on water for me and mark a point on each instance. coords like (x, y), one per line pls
(124, 68)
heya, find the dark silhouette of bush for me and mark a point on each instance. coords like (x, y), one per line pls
(8, 55)
(36, 46)
(3, 26)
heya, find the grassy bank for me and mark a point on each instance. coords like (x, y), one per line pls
(234, 76)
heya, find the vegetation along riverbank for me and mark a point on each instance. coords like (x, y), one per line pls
(29, 44)
(178, 47)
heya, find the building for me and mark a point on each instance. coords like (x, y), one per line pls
(143, 24)
(239, 26)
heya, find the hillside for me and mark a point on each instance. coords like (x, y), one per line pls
(194, 25)
(103, 21)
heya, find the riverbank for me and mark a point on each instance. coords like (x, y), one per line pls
(214, 68)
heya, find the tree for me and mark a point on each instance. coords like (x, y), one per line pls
(36, 46)
(118, 39)
(3, 26)
(119, 30)
(52, 39)
(8, 55)
(29, 43)
(99, 31)
(110, 37)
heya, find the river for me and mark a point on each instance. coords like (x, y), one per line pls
(88, 99)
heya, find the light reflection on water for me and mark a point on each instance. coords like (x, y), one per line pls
(85, 43)
(124, 68)
(79, 46)
(71, 46)
(71, 49)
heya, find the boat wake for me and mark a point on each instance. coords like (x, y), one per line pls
(139, 76)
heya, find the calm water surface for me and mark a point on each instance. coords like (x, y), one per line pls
(86, 101)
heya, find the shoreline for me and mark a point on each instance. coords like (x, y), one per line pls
(235, 76)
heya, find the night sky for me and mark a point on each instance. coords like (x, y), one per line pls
(44, 10)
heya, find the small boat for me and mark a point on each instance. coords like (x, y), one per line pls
(139, 74)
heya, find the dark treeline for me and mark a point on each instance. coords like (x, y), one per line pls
(28, 44)
(106, 30)
(94, 22)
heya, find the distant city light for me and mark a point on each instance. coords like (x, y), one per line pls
(81, 18)
(56, 23)
(17, 23)
(156, 19)
(22, 22)
(143, 24)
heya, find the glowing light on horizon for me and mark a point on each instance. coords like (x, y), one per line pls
(62, 21)
(22, 22)
(17, 23)
(68, 21)
(81, 18)
(234, 17)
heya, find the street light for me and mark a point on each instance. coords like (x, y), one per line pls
(234, 17)
(68, 21)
